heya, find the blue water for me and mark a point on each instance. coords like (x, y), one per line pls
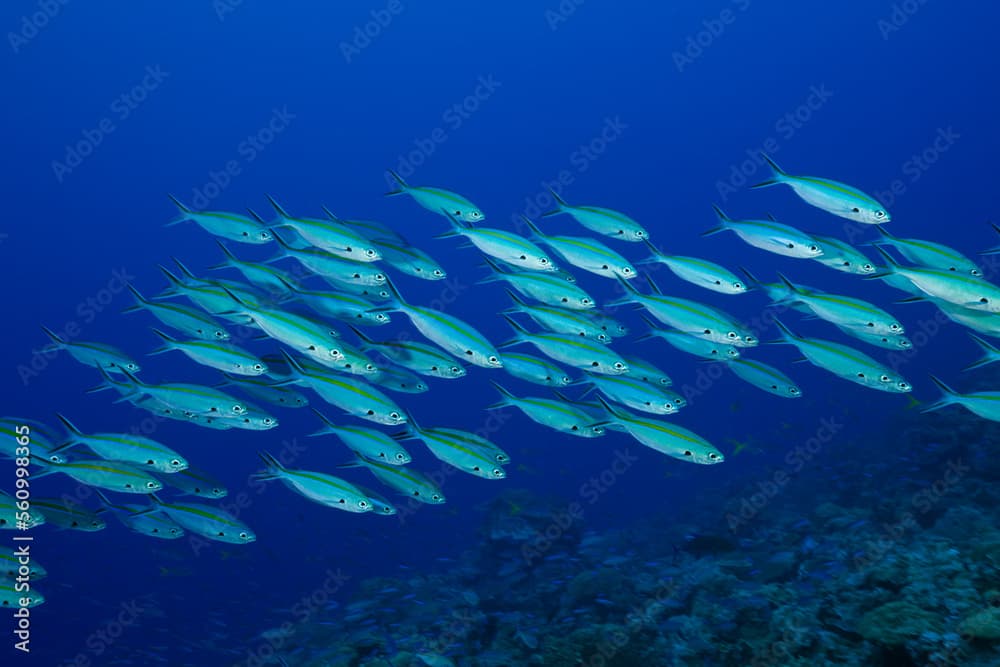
(657, 111)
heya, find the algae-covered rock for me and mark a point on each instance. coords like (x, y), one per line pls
(894, 623)
(983, 624)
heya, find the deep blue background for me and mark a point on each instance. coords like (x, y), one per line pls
(686, 129)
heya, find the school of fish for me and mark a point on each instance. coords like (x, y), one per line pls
(349, 262)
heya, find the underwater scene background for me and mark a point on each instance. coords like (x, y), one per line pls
(844, 527)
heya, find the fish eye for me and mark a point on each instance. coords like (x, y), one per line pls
(394, 415)
(381, 317)
(640, 233)
(238, 408)
(258, 367)
(497, 472)
(868, 267)
(713, 456)
(362, 504)
(585, 301)
(370, 252)
(894, 327)
(627, 270)
(175, 462)
(438, 272)
(493, 359)
(455, 369)
(369, 367)
(732, 335)
(814, 248)
(879, 214)
(793, 390)
(151, 485)
(436, 496)
(619, 365)
(400, 456)
(220, 334)
(750, 339)
(884, 378)
(243, 535)
(267, 421)
(738, 285)
(904, 385)
(379, 277)
(566, 380)
(543, 261)
(976, 272)
(334, 353)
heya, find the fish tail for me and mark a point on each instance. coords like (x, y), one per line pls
(519, 335)
(68, 424)
(272, 467)
(396, 301)
(723, 225)
(516, 299)
(561, 204)
(230, 257)
(402, 186)
(329, 428)
(166, 338)
(140, 300)
(992, 353)
(54, 337)
(948, 396)
(779, 175)
(652, 284)
(655, 253)
(171, 278)
(330, 214)
(786, 334)
(507, 397)
(185, 212)
(295, 366)
(366, 340)
(277, 207)
(536, 233)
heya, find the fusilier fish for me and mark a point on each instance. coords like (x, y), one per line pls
(601, 220)
(221, 223)
(769, 235)
(438, 200)
(832, 196)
